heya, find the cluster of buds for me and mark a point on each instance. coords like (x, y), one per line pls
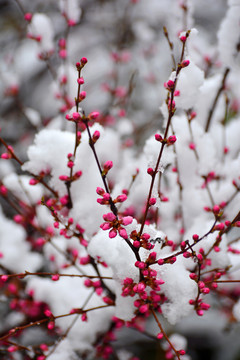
(106, 197)
(9, 154)
(199, 306)
(96, 285)
(66, 178)
(169, 141)
(114, 224)
(143, 241)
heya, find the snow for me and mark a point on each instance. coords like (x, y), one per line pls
(17, 256)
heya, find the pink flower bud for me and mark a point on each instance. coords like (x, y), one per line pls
(201, 284)
(158, 137)
(48, 313)
(140, 264)
(152, 201)
(88, 283)
(220, 226)
(82, 95)
(55, 277)
(159, 336)
(70, 164)
(205, 290)
(112, 233)
(83, 61)
(78, 174)
(4, 278)
(51, 325)
(182, 352)
(106, 197)
(93, 115)
(121, 198)
(100, 191)
(28, 17)
(105, 226)
(3, 190)
(33, 181)
(195, 237)
(84, 260)
(63, 177)
(192, 146)
(152, 256)
(172, 139)
(12, 348)
(109, 217)
(62, 53)
(205, 306)
(40, 241)
(170, 84)
(80, 81)
(185, 63)
(84, 317)
(136, 244)
(150, 171)
(18, 219)
(123, 233)
(173, 260)
(183, 38)
(193, 276)
(41, 357)
(200, 257)
(96, 135)
(76, 116)
(216, 209)
(143, 308)
(5, 156)
(160, 262)
(200, 312)
(108, 165)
